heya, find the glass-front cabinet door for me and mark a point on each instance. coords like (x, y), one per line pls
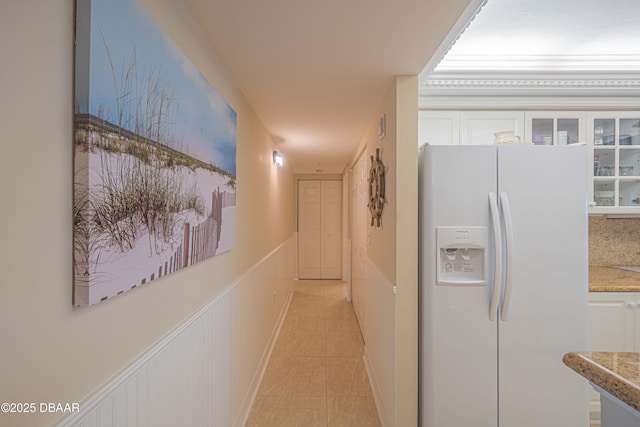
(615, 142)
(555, 127)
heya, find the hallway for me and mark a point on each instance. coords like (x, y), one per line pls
(316, 375)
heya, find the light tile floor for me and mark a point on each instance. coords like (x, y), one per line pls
(316, 375)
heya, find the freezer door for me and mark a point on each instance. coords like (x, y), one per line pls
(458, 362)
(546, 191)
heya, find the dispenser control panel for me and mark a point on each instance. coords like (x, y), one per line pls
(461, 256)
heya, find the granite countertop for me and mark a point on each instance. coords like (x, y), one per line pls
(616, 373)
(609, 279)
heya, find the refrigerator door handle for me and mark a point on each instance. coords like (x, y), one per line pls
(497, 239)
(508, 234)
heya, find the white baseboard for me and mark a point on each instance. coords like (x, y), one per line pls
(385, 419)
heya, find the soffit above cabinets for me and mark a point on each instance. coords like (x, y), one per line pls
(544, 47)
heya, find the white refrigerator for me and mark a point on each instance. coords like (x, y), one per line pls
(503, 285)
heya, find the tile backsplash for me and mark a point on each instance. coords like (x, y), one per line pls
(614, 241)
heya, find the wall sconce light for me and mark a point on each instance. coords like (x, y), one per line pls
(277, 158)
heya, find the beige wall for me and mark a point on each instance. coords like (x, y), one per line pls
(382, 247)
(49, 351)
(393, 248)
(407, 251)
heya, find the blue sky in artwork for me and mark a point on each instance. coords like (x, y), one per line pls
(200, 123)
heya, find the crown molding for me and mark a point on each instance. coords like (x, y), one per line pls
(531, 84)
(543, 63)
(524, 102)
(527, 83)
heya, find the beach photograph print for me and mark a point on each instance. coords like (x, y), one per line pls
(154, 155)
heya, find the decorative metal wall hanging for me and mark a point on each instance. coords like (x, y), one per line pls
(376, 189)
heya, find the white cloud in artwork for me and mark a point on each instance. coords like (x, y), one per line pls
(215, 126)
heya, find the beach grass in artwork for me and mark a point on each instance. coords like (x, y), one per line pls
(154, 181)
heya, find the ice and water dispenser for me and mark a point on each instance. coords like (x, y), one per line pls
(461, 256)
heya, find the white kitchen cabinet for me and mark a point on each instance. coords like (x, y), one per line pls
(555, 127)
(614, 325)
(612, 321)
(445, 127)
(614, 139)
(438, 127)
(479, 127)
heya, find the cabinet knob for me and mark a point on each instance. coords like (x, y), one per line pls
(631, 304)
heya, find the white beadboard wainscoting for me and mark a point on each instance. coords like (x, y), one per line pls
(374, 303)
(207, 371)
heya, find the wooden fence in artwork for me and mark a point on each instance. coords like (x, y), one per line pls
(174, 263)
(228, 199)
(199, 241)
(203, 241)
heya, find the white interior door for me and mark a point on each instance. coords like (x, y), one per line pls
(320, 229)
(309, 227)
(331, 230)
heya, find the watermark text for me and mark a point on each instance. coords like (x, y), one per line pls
(41, 407)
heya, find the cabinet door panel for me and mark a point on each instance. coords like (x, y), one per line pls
(614, 138)
(611, 322)
(555, 127)
(479, 127)
(438, 127)
(611, 328)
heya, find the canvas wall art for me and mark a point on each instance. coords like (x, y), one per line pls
(154, 155)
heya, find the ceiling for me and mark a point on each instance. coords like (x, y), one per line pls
(550, 34)
(554, 48)
(316, 72)
(538, 52)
